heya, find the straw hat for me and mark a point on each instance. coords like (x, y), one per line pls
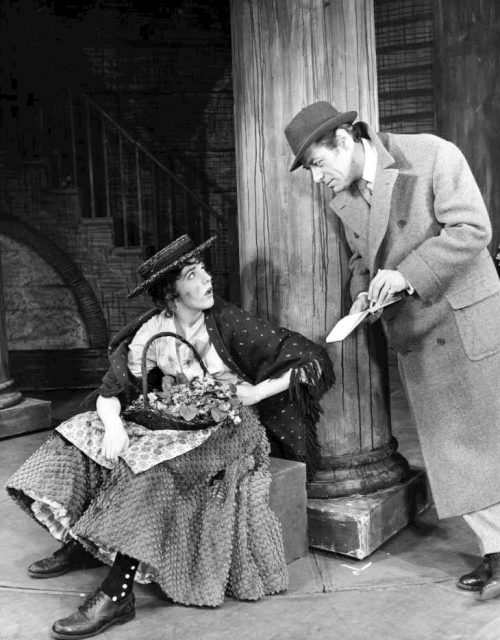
(167, 259)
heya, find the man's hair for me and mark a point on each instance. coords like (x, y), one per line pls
(357, 131)
(163, 293)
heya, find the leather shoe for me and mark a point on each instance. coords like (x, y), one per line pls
(69, 557)
(477, 578)
(96, 614)
(491, 588)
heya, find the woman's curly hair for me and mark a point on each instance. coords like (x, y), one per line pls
(163, 293)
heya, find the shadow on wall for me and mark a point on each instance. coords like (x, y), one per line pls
(265, 291)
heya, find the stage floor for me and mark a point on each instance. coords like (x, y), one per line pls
(404, 591)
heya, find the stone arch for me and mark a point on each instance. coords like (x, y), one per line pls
(86, 300)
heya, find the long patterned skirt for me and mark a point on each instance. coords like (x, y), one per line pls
(199, 524)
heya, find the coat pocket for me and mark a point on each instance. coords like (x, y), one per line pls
(477, 313)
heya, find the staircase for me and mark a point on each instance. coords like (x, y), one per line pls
(119, 179)
(91, 188)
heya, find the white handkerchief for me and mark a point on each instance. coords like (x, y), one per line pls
(347, 324)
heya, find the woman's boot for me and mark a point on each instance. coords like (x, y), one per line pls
(112, 603)
(70, 557)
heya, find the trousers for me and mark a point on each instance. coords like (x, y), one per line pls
(486, 525)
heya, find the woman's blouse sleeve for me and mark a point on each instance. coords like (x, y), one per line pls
(136, 348)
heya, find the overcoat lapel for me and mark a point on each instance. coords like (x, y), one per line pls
(352, 209)
(385, 178)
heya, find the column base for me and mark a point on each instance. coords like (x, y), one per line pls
(356, 526)
(9, 395)
(29, 415)
(364, 473)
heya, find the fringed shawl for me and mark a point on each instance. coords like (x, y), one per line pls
(256, 350)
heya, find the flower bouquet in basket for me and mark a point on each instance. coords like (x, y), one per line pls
(197, 404)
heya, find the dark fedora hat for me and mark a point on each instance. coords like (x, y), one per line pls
(311, 123)
(167, 259)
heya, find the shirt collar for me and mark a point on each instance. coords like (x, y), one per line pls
(370, 167)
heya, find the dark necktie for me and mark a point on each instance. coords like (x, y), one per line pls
(363, 189)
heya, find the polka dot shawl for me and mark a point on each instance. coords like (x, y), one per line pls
(255, 350)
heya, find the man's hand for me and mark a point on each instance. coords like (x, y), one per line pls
(360, 304)
(115, 440)
(385, 284)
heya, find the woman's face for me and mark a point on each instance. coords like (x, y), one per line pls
(194, 287)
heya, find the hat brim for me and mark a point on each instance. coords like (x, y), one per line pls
(342, 118)
(159, 274)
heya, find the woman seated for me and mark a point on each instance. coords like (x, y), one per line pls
(186, 509)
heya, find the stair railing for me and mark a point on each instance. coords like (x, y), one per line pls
(121, 179)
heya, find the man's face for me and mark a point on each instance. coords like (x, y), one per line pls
(337, 168)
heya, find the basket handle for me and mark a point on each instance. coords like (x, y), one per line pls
(144, 354)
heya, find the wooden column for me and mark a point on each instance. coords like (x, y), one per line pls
(9, 395)
(17, 414)
(468, 90)
(292, 252)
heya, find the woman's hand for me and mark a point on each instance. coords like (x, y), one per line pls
(385, 284)
(115, 440)
(252, 394)
(248, 394)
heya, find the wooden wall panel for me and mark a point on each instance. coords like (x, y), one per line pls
(468, 90)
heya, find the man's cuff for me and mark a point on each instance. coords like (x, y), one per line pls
(421, 276)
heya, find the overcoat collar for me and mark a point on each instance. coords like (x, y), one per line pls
(352, 209)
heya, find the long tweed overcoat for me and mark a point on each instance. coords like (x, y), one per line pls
(428, 220)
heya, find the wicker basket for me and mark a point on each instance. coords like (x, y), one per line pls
(152, 419)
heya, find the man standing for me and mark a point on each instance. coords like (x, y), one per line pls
(415, 221)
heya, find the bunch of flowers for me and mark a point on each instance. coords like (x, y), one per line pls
(198, 400)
